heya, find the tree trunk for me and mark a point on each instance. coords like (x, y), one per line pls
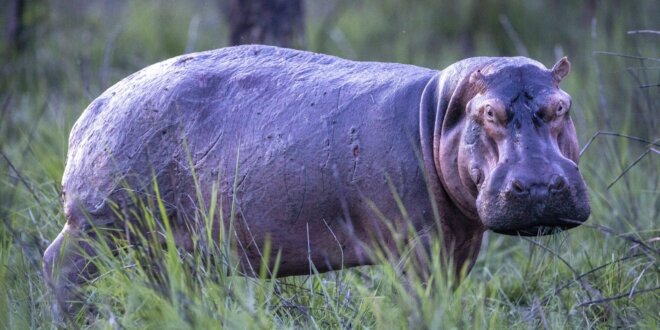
(269, 22)
(15, 25)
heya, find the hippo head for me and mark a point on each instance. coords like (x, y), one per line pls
(514, 150)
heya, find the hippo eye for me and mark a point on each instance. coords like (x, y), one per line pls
(489, 112)
(477, 176)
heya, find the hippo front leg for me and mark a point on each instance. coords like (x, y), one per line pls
(67, 266)
(464, 252)
(459, 254)
(462, 237)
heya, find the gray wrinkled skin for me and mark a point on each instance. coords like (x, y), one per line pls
(309, 148)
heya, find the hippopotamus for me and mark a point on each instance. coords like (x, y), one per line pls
(322, 158)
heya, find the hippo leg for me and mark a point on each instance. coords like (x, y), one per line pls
(66, 267)
(459, 256)
(465, 251)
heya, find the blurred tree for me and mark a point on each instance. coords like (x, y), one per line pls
(271, 22)
(15, 25)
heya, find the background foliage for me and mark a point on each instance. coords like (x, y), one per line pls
(605, 274)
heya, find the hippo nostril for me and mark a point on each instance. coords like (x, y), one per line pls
(518, 187)
(557, 183)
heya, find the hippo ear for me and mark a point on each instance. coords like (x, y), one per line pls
(476, 77)
(477, 80)
(561, 69)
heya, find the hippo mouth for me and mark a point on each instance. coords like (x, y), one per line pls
(542, 229)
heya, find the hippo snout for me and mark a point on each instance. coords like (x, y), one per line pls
(538, 192)
(532, 200)
(538, 189)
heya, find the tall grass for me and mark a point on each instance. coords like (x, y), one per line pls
(600, 275)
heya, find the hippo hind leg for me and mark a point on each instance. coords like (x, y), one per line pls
(67, 266)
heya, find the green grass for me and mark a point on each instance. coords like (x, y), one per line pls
(602, 275)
